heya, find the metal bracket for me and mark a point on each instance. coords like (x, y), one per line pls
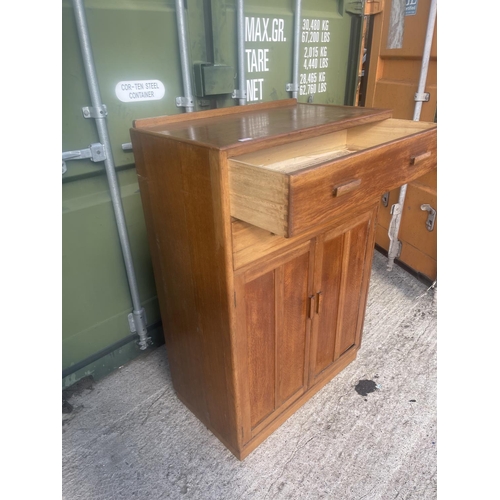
(385, 199)
(239, 94)
(184, 102)
(290, 87)
(355, 7)
(127, 146)
(431, 218)
(423, 97)
(97, 112)
(132, 322)
(137, 322)
(95, 152)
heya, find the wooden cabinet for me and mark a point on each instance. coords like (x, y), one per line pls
(261, 225)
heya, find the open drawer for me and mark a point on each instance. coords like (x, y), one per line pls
(286, 189)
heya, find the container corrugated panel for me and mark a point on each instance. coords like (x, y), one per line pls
(136, 52)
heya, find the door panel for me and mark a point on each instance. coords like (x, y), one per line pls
(260, 323)
(273, 328)
(291, 339)
(331, 271)
(355, 249)
(341, 264)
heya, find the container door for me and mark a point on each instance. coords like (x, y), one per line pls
(136, 51)
(392, 81)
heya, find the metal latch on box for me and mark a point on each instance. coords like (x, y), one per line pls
(95, 152)
(431, 218)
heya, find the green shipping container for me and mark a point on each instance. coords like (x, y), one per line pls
(136, 51)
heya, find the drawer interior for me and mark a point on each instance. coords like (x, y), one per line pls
(296, 156)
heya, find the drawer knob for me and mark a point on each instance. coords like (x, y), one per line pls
(346, 187)
(417, 159)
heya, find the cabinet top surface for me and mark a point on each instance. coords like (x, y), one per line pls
(233, 127)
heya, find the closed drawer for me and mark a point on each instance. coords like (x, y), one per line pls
(289, 188)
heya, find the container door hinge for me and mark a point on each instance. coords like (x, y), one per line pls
(423, 97)
(97, 112)
(431, 218)
(95, 152)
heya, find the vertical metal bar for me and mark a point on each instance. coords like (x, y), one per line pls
(296, 47)
(240, 22)
(425, 58)
(102, 130)
(186, 74)
(397, 209)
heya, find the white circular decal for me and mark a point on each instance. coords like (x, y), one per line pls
(140, 90)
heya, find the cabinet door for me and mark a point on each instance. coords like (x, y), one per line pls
(343, 265)
(273, 325)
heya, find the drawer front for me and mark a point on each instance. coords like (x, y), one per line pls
(321, 193)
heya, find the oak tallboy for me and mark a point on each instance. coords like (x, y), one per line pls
(261, 226)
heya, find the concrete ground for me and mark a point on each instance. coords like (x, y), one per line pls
(129, 437)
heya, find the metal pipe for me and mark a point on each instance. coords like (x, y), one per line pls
(240, 22)
(425, 58)
(186, 74)
(397, 209)
(99, 114)
(296, 48)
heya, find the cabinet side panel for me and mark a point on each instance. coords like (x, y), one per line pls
(291, 337)
(192, 268)
(260, 321)
(356, 246)
(331, 272)
(160, 181)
